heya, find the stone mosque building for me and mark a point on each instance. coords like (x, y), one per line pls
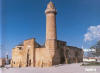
(53, 52)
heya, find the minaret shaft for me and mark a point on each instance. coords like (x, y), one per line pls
(51, 37)
(51, 27)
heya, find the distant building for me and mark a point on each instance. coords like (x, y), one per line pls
(2, 62)
(91, 59)
(53, 52)
(98, 59)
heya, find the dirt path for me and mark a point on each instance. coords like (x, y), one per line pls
(68, 68)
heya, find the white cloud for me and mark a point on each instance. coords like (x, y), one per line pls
(93, 33)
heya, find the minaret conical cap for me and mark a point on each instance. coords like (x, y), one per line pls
(50, 5)
(50, 8)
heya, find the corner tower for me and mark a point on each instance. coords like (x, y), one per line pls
(51, 36)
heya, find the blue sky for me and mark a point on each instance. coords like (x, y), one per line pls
(25, 19)
(0, 28)
(0, 21)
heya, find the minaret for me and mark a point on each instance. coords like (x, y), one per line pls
(51, 28)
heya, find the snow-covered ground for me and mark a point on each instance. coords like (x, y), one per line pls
(67, 68)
